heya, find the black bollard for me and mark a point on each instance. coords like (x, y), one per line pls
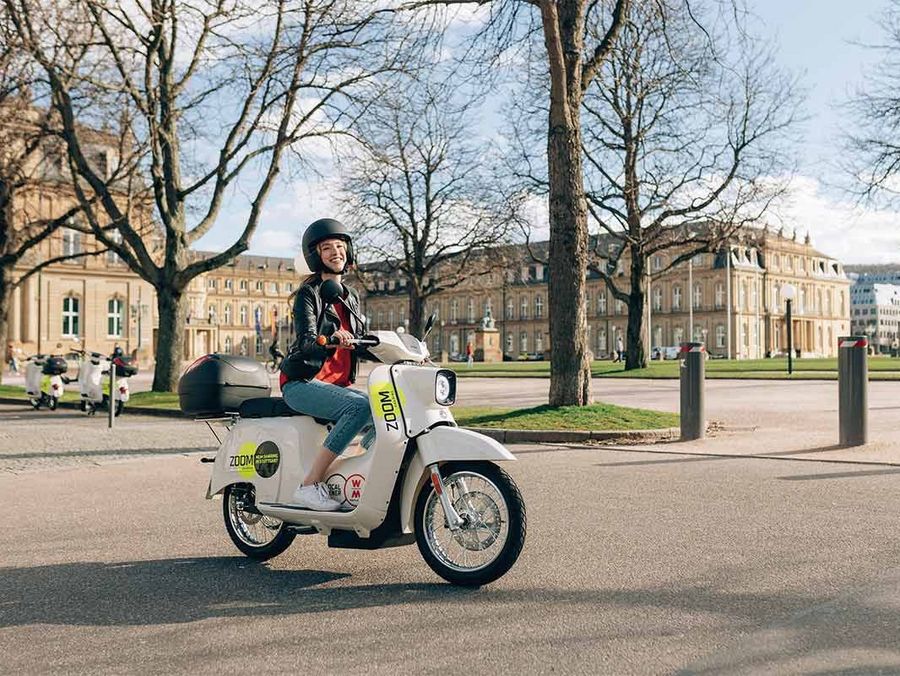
(693, 373)
(853, 376)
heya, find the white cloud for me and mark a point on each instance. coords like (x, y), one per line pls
(838, 227)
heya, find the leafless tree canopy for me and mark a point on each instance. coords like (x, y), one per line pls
(30, 154)
(873, 145)
(420, 192)
(206, 98)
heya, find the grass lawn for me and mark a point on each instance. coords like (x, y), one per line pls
(594, 417)
(880, 368)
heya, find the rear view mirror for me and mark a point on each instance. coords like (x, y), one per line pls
(330, 291)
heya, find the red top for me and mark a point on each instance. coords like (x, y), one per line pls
(336, 369)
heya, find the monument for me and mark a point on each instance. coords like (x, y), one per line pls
(487, 340)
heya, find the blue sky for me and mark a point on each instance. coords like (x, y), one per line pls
(814, 39)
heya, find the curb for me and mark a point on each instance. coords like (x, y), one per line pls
(504, 436)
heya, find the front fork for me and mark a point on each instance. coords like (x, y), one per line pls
(454, 520)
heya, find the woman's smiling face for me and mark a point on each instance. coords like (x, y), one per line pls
(334, 254)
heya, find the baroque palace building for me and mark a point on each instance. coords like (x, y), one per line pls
(733, 302)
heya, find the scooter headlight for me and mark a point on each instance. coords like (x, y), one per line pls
(445, 388)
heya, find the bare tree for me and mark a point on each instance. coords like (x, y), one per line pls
(684, 145)
(573, 57)
(207, 98)
(420, 192)
(29, 154)
(873, 147)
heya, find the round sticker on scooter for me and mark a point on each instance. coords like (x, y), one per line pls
(353, 488)
(266, 459)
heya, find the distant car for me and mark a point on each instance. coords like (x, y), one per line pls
(660, 352)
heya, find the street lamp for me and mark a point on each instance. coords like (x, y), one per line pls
(789, 292)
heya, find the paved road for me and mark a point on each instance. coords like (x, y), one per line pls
(635, 563)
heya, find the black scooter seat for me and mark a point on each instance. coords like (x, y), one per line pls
(271, 407)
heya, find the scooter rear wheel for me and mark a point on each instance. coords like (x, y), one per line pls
(52, 403)
(258, 536)
(493, 534)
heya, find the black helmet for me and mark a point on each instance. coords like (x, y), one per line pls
(319, 231)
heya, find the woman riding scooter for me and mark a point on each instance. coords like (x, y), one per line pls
(316, 379)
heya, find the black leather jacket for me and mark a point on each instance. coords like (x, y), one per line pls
(306, 357)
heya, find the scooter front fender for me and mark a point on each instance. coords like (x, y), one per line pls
(439, 445)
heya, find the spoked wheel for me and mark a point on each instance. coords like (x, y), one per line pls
(493, 531)
(35, 403)
(273, 366)
(52, 403)
(258, 536)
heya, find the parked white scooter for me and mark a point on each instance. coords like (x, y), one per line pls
(93, 376)
(36, 367)
(422, 480)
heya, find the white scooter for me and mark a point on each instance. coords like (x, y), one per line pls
(36, 367)
(94, 374)
(422, 480)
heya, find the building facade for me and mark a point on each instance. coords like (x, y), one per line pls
(875, 306)
(731, 300)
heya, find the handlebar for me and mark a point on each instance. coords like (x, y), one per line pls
(366, 341)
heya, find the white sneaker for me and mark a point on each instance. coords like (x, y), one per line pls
(315, 497)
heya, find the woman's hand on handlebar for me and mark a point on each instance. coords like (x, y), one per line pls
(339, 339)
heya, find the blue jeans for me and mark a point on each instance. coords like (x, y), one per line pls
(349, 409)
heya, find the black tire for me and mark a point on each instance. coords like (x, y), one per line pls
(281, 541)
(272, 367)
(52, 403)
(120, 406)
(35, 403)
(515, 538)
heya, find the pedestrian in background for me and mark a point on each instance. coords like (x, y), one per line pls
(11, 358)
(620, 349)
(470, 355)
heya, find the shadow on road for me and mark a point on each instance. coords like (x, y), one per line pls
(185, 590)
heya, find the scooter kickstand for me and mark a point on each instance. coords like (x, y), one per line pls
(454, 521)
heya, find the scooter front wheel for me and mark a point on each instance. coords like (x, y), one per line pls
(120, 406)
(53, 402)
(491, 538)
(258, 536)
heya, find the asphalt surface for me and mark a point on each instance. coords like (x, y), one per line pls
(634, 563)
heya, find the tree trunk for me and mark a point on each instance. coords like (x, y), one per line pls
(172, 307)
(416, 314)
(6, 293)
(570, 369)
(635, 354)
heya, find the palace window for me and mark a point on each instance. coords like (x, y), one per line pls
(243, 285)
(539, 341)
(657, 298)
(211, 283)
(720, 295)
(114, 318)
(112, 258)
(601, 302)
(70, 315)
(259, 285)
(509, 343)
(243, 315)
(71, 242)
(229, 284)
(510, 311)
(470, 311)
(454, 310)
(676, 298)
(523, 341)
(698, 296)
(539, 306)
(523, 307)
(720, 335)
(228, 345)
(227, 314)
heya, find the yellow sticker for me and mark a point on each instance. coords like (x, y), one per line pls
(386, 405)
(244, 461)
